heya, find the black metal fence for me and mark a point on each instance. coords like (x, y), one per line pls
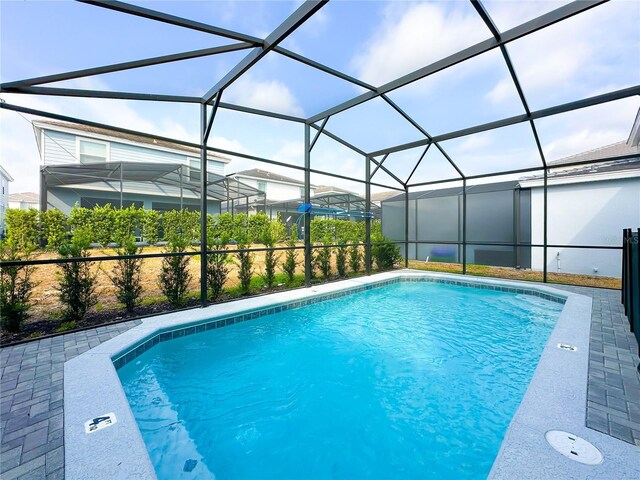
(631, 279)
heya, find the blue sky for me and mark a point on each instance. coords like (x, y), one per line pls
(592, 53)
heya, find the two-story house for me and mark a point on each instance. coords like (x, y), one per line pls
(5, 178)
(93, 166)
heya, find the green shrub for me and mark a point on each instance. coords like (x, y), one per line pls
(77, 283)
(151, 226)
(223, 226)
(22, 228)
(335, 229)
(257, 226)
(103, 224)
(54, 225)
(127, 222)
(16, 287)
(80, 218)
(174, 273)
(289, 264)
(384, 252)
(240, 232)
(217, 266)
(245, 263)
(125, 275)
(65, 326)
(181, 226)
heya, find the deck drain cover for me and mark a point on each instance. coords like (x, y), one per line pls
(564, 346)
(574, 447)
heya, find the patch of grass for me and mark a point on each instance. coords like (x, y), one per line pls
(99, 307)
(55, 315)
(148, 301)
(65, 326)
(37, 334)
(513, 274)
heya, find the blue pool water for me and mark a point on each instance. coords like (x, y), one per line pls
(409, 380)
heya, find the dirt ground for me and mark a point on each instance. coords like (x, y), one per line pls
(46, 309)
(45, 298)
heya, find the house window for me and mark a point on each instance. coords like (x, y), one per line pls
(90, 151)
(301, 192)
(262, 186)
(194, 170)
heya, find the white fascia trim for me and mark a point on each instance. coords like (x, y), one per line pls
(260, 179)
(586, 178)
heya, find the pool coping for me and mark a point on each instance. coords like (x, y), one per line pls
(92, 386)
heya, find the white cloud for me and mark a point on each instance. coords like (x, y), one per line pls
(475, 142)
(574, 57)
(271, 95)
(588, 128)
(412, 36)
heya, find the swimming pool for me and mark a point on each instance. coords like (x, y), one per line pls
(411, 380)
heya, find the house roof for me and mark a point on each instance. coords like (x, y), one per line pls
(618, 149)
(156, 142)
(613, 150)
(6, 174)
(24, 197)
(382, 196)
(266, 175)
(331, 188)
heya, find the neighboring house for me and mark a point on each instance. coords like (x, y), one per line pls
(275, 188)
(94, 166)
(5, 178)
(587, 205)
(24, 201)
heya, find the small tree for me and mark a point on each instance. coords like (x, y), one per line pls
(341, 261)
(151, 226)
(125, 275)
(16, 287)
(22, 228)
(289, 264)
(270, 257)
(103, 224)
(77, 283)
(245, 263)
(174, 273)
(53, 224)
(355, 258)
(324, 258)
(217, 266)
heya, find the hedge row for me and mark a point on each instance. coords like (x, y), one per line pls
(28, 229)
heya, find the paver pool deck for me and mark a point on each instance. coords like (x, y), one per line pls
(31, 387)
